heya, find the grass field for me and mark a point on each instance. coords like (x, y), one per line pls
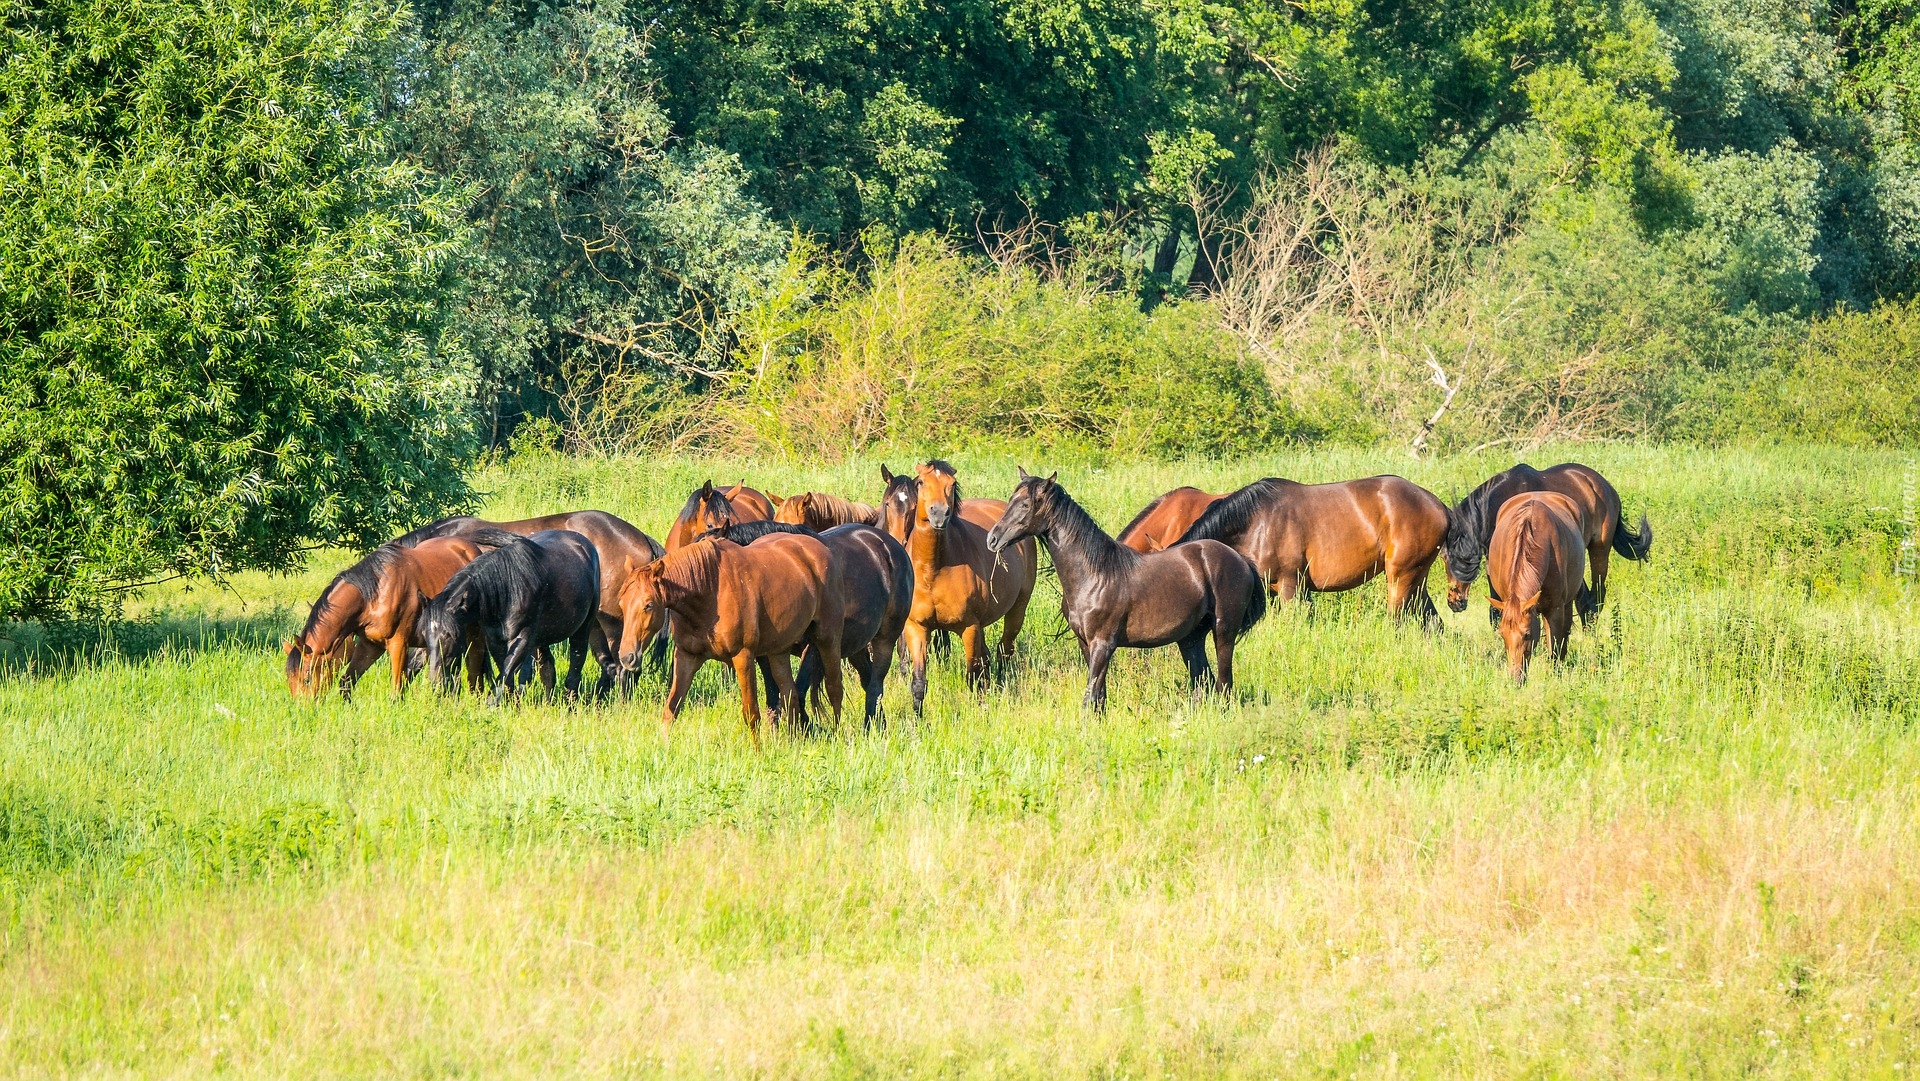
(1694, 850)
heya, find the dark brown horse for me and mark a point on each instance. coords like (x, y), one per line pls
(369, 608)
(1602, 527)
(876, 596)
(1113, 596)
(822, 511)
(1535, 561)
(734, 605)
(614, 540)
(1161, 522)
(958, 584)
(523, 596)
(710, 508)
(1330, 537)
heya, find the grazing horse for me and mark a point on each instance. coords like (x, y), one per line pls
(822, 511)
(733, 604)
(1534, 560)
(709, 508)
(1331, 537)
(523, 596)
(958, 584)
(876, 595)
(615, 541)
(1602, 526)
(371, 606)
(1161, 522)
(1113, 596)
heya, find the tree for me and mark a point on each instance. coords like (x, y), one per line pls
(221, 330)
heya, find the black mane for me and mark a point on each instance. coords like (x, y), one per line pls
(1470, 523)
(1231, 514)
(1069, 526)
(490, 578)
(716, 501)
(745, 533)
(364, 576)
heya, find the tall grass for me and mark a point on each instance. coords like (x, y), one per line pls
(1691, 850)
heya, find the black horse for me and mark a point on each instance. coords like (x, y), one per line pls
(525, 595)
(876, 591)
(1114, 596)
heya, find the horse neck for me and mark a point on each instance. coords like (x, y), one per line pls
(1082, 552)
(1526, 562)
(343, 611)
(927, 546)
(695, 572)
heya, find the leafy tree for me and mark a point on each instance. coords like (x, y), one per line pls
(220, 328)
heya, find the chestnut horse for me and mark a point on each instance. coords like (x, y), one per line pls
(525, 595)
(709, 508)
(958, 584)
(822, 511)
(614, 539)
(733, 604)
(371, 607)
(1535, 561)
(1161, 522)
(1602, 526)
(876, 596)
(1331, 537)
(1113, 596)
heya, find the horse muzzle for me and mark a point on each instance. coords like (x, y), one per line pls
(939, 514)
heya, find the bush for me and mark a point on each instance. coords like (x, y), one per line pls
(219, 300)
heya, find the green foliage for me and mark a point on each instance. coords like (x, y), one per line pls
(221, 298)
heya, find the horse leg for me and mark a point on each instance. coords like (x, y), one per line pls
(365, 652)
(683, 668)
(1560, 626)
(1015, 618)
(1223, 636)
(1407, 596)
(397, 657)
(779, 669)
(974, 640)
(601, 645)
(477, 661)
(577, 647)
(836, 687)
(543, 657)
(1193, 650)
(1098, 658)
(914, 637)
(1591, 598)
(863, 666)
(776, 702)
(749, 703)
(518, 650)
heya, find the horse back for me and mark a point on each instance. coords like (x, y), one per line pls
(1162, 521)
(768, 593)
(1596, 499)
(1538, 537)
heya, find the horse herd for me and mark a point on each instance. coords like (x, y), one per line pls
(752, 581)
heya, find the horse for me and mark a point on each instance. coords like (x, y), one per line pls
(1602, 525)
(1332, 537)
(981, 512)
(615, 541)
(709, 508)
(1113, 596)
(371, 607)
(876, 595)
(1161, 522)
(958, 585)
(821, 511)
(733, 604)
(523, 596)
(1534, 560)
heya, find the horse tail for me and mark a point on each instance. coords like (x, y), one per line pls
(1256, 608)
(1633, 544)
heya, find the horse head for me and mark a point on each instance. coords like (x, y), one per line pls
(939, 497)
(1520, 630)
(1029, 511)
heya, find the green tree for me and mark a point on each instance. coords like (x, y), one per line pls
(220, 323)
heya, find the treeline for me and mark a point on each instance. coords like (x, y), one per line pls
(274, 272)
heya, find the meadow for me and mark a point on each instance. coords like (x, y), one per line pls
(1695, 849)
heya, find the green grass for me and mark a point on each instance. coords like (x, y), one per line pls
(1695, 849)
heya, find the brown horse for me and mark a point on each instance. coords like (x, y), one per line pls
(1331, 537)
(1161, 522)
(370, 607)
(1113, 596)
(1602, 526)
(615, 541)
(821, 511)
(733, 605)
(709, 508)
(958, 583)
(981, 512)
(1534, 560)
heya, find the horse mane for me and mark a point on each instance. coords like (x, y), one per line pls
(1470, 525)
(492, 574)
(715, 499)
(941, 465)
(745, 533)
(364, 576)
(842, 510)
(695, 567)
(1145, 513)
(1073, 528)
(1231, 514)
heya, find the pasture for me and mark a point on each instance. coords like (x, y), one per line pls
(1693, 849)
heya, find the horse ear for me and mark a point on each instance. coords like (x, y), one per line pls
(886, 475)
(776, 501)
(707, 488)
(1497, 604)
(1023, 472)
(1052, 475)
(1531, 603)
